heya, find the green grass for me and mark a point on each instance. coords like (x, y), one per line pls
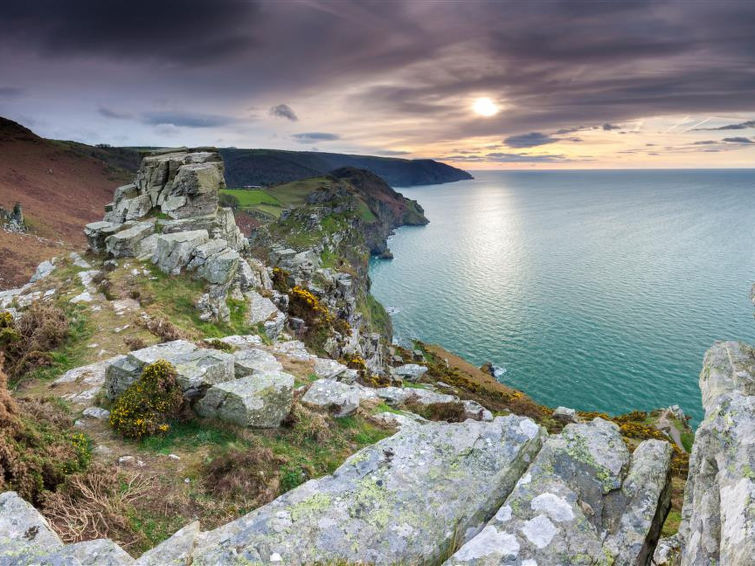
(188, 435)
(671, 525)
(688, 438)
(249, 198)
(296, 192)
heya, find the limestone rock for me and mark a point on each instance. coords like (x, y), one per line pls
(100, 552)
(242, 342)
(97, 232)
(331, 369)
(404, 500)
(176, 551)
(43, 270)
(718, 517)
(125, 243)
(194, 190)
(220, 268)
(201, 369)
(254, 361)
(263, 310)
(24, 532)
(410, 372)
(126, 370)
(340, 398)
(573, 496)
(174, 251)
(565, 415)
(262, 400)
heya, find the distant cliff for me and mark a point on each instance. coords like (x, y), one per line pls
(245, 167)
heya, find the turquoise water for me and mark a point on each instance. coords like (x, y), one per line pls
(597, 290)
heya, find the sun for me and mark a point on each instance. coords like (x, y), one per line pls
(484, 106)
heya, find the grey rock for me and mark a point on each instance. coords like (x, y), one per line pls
(667, 551)
(176, 551)
(399, 395)
(329, 369)
(174, 251)
(294, 349)
(565, 415)
(473, 410)
(718, 517)
(254, 361)
(220, 268)
(339, 398)
(97, 232)
(79, 261)
(100, 552)
(43, 270)
(201, 369)
(404, 500)
(125, 243)
(410, 372)
(126, 370)
(194, 190)
(242, 342)
(572, 498)
(262, 400)
(96, 413)
(24, 532)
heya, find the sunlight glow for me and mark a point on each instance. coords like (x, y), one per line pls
(484, 106)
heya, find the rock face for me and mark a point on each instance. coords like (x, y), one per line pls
(583, 501)
(261, 400)
(718, 518)
(24, 533)
(377, 508)
(340, 398)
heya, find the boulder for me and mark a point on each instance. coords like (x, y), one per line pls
(261, 400)
(410, 372)
(97, 232)
(124, 371)
(399, 395)
(254, 361)
(125, 243)
(405, 500)
(172, 552)
(174, 251)
(339, 398)
(43, 270)
(263, 311)
(194, 190)
(242, 342)
(329, 369)
(220, 268)
(201, 369)
(24, 533)
(565, 415)
(718, 517)
(570, 505)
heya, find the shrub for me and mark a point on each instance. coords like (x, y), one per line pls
(452, 412)
(135, 343)
(228, 201)
(38, 446)
(247, 475)
(96, 504)
(164, 329)
(147, 406)
(43, 327)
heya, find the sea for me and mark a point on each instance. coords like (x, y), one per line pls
(597, 290)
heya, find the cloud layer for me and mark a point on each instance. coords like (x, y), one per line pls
(379, 76)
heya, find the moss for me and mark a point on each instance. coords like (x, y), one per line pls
(671, 524)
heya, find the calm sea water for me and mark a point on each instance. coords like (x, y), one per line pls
(597, 290)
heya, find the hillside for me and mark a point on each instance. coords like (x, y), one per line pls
(250, 167)
(60, 185)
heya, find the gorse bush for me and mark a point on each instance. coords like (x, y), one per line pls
(148, 405)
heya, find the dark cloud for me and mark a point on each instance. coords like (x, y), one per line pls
(704, 142)
(284, 111)
(110, 113)
(11, 92)
(738, 140)
(552, 64)
(529, 140)
(310, 137)
(186, 119)
(608, 127)
(740, 126)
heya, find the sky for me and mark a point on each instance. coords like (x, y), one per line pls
(556, 84)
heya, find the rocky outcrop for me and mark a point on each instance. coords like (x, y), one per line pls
(378, 507)
(170, 215)
(718, 517)
(584, 500)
